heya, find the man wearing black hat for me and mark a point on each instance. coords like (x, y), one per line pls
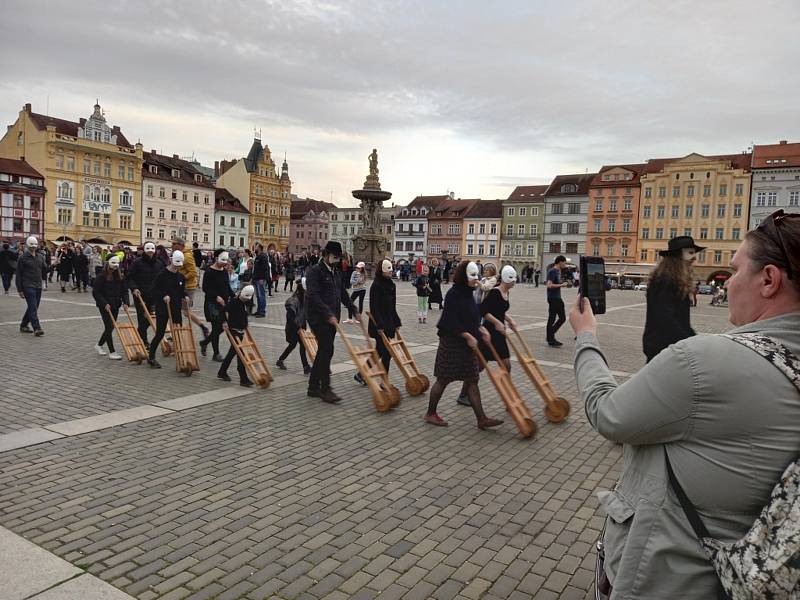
(669, 296)
(325, 295)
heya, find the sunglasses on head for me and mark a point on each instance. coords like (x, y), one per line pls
(772, 227)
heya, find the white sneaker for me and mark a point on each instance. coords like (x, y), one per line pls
(114, 356)
(347, 321)
(99, 350)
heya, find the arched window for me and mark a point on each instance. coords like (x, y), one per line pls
(107, 195)
(96, 192)
(65, 190)
(568, 188)
(125, 199)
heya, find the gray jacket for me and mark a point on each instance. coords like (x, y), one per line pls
(731, 424)
(29, 271)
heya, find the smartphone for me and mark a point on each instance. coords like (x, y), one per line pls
(593, 282)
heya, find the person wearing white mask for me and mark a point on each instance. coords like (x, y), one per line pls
(168, 288)
(30, 266)
(236, 323)
(494, 310)
(109, 293)
(383, 308)
(217, 290)
(141, 279)
(459, 327)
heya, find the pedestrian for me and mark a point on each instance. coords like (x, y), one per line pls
(289, 272)
(358, 282)
(669, 293)
(695, 291)
(235, 318)
(95, 265)
(383, 308)
(458, 329)
(8, 265)
(197, 255)
(324, 296)
(423, 291)
(556, 315)
(295, 320)
(29, 285)
(260, 278)
(64, 266)
(487, 282)
(494, 310)
(435, 282)
(141, 282)
(272, 273)
(217, 290)
(169, 289)
(190, 273)
(536, 274)
(109, 294)
(717, 414)
(82, 268)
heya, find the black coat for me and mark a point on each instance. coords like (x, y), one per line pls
(435, 281)
(142, 275)
(260, 267)
(667, 317)
(109, 291)
(383, 307)
(460, 313)
(325, 294)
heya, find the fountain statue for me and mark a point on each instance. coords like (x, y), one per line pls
(371, 244)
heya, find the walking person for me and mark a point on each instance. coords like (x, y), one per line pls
(358, 282)
(536, 274)
(64, 265)
(260, 278)
(109, 293)
(717, 414)
(324, 296)
(435, 283)
(423, 291)
(669, 293)
(289, 272)
(217, 290)
(295, 320)
(29, 285)
(169, 288)
(383, 308)
(556, 316)
(95, 265)
(458, 329)
(8, 264)
(190, 273)
(236, 323)
(494, 309)
(141, 282)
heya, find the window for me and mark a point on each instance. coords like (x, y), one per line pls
(272, 229)
(418, 246)
(721, 210)
(435, 249)
(96, 219)
(125, 221)
(510, 211)
(149, 211)
(196, 198)
(34, 204)
(160, 213)
(492, 229)
(470, 249)
(737, 210)
(675, 211)
(87, 166)
(161, 234)
(610, 248)
(719, 233)
(723, 189)
(555, 228)
(205, 199)
(595, 249)
(598, 205)
(523, 211)
(761, 199)
(557, 209)
(717, 256)
(471, 230)
(626, 225)
(173, 214)
(673, 232)
(534, 229)
(676, 191)
(690, 191)
(222, 240)
(184, 216)
(149, 233)
(612, 225)
(162, 193)
(126, 199)
(130, 174)
(612, 205)
(149, 191)
(575, 208)
(482, 228)
(96, 165)
(623, 249)
(86, 219)
(645, 233)
(706, 191)
(509, 229)
(206, 219)
(531, 249)
(627, 204)
(659, 233)
(70, 163)
(646, 212)
(454, 229)
(794, 199)
(772, 198)
(573, 228)
(258, 227)
(518, 250)
(185, 196)
(106, 220)
(648, 192)
(521, 229)
(555, 246)
(174, 194)
(507, 249)
(689, 211)
(534, 211)
(687, 232)
(661, 212)
(569, 188)
(736, 233)
(196, 218)
(205, 238)
(107, 172)
(222, 220)
(704, 233)
(739, 189)
(598, 225)
(572, 247)
(452, 248)
(59, 161)
(643, 255)
(704, 211)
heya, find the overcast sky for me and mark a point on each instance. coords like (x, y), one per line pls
(471, 96)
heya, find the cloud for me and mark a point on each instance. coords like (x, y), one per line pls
(469, 96)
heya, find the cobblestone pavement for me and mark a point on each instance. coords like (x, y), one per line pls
(275, 495)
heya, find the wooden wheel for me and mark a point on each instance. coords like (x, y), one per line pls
(529, 429)
(557, 410)
(382, 401)
(394, 397)
(264, 381)
(426, 383)
(414, 386)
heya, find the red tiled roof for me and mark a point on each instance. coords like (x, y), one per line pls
(452, 209)
(582, 180)
(301, 208)
(635, 169)
(65, 127)
(769, 156)
(429, 201)
(12, 166)
(485, 209)
(165, 166)
(224, 200)
(528, 193)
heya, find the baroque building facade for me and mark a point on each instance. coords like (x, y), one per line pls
(522, 225)
(481, 241)
(231, 221)
(310, 225)
(92, 173)
(776, 180)
(411, 228)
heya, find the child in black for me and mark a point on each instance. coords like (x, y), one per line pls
(236, 311)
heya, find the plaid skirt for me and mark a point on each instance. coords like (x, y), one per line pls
(455, 361)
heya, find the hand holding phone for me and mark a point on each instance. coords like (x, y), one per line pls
(593, 283)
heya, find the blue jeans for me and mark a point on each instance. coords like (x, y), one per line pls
(261, 297)
(32, 296)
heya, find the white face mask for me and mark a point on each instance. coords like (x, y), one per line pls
(113, 262)
(149, 249)
(223, 258)
(472, 272)
(689, 254)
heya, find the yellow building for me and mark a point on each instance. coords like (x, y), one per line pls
(706, 197)
(93, 176)
(255, 177)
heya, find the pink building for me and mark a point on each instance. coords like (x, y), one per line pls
(309, 225)
(21, 201)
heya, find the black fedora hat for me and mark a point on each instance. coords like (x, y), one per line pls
(677, 244)
(333, 247)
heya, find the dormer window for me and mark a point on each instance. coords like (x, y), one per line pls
(153, 169)
(569, 188)
(176, 173)
(413, 211)
(424, 211)
(198, 178)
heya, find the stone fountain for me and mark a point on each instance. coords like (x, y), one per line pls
(371, 244)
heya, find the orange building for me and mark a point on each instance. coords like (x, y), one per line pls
(445, 228)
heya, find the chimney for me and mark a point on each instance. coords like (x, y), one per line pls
(153, 152)
(115, 129)
(175, 156)
(216, 168)
(782, 142)
(27, 107)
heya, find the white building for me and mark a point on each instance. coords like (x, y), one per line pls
(344, 224)
(178, 201)
(231, 221)
(566, 216)
(776, 180)
(411, 228)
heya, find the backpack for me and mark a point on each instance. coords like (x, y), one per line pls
(765, 563)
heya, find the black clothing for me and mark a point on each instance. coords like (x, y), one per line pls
(260, 266)
(226, 362)
(142, 275)
(383, 307)
(109, 291)
(173, 285)
(324, 294)
(64, 266)
(295, 318)
(198, 257)
(216, 283)
(29, 271)
(667, 319)
(494, 304)
(108, 326)
(320, 378)
(435, 281)
(8, 261)
(460, 313)
(236, 314)
(421, 283)
(555, 309)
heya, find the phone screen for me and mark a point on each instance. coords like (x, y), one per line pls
(595, 280)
